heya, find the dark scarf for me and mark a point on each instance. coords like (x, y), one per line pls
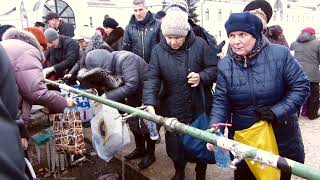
(142, 24)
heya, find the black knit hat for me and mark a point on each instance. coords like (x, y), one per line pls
(110, 22)
(263, 5)
(160, 14)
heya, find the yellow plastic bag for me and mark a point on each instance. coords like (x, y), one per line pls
(261, 136)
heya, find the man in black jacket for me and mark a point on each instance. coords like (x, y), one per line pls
(53, 21)
(11, 153)
(63, 53)
(143, 31)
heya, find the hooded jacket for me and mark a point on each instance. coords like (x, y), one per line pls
(307, 51)
(26, 56)
(141, 41)
(130, 66)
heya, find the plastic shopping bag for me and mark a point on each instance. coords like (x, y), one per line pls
(261, 136)
(109, 134)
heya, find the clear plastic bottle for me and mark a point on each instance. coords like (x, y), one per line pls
(154, 135)
(222, 156)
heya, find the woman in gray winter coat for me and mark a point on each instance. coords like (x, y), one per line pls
(102, 71)
(307, 51)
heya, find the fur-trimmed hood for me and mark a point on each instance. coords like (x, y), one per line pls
(24, 36)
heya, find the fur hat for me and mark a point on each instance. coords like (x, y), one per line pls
(175, 23)
(51, 34)
(110, 22)
(39, 35)
(263, 5)
(178, 4)
(245, 22)
(24, 36)
(309, 30)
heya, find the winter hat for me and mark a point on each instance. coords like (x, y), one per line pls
(84, 33)
(98, 58)
(51, 35)
(175, 23)
(309, 30)
(245, 22)
(181, 4)
(51, 15)
(263, 5)
(160, 14)
(39, 36)
(110, 22)
(3, 29)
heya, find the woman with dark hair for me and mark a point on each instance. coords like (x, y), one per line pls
(275, 35)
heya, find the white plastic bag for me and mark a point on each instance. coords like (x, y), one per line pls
(109, 134)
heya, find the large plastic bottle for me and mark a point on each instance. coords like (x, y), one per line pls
(154, 135)
(222, 156)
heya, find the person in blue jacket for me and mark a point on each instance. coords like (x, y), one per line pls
(257, 81)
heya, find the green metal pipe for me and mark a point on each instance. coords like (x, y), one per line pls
(238, 149)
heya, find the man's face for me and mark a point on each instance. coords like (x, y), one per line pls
(53, 23)
(140, 11)
(54, 44)
(241, 43)
(175, 42)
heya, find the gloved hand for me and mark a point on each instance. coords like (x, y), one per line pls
(265, 114)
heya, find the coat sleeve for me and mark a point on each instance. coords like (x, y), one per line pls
(127, 44)
(152, 83)
(130, 75)
(221, 107)
(32, 88)
(72, 56)
(210, 61)
(298, 89)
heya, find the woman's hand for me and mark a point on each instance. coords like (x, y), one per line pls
(24, 143)
(70, 102)
(193, 79)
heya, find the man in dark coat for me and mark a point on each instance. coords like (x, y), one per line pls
(142, 33)
(63, 28)
(184, 63)
(11, 154)
(133, 70)
(114, 33)
(63, 53)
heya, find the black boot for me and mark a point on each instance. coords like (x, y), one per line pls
(201, 169)
(147, 161)
(149, 158)
(179, 174)
(140, 150)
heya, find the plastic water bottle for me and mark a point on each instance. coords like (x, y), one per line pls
(222, 156)
(154, 135)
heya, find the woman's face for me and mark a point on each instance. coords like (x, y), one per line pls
(175, 42)
(241, 43)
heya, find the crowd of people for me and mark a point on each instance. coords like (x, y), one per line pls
(163, 61)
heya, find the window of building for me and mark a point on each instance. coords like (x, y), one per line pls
(207, 14)
(62, 8)
(219, 15)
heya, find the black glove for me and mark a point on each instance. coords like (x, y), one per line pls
(265, 114)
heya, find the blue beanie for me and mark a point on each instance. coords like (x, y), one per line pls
(245, 22)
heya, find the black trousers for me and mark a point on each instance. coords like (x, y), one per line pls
(243, 172)
(313, 101)
(142, 140)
